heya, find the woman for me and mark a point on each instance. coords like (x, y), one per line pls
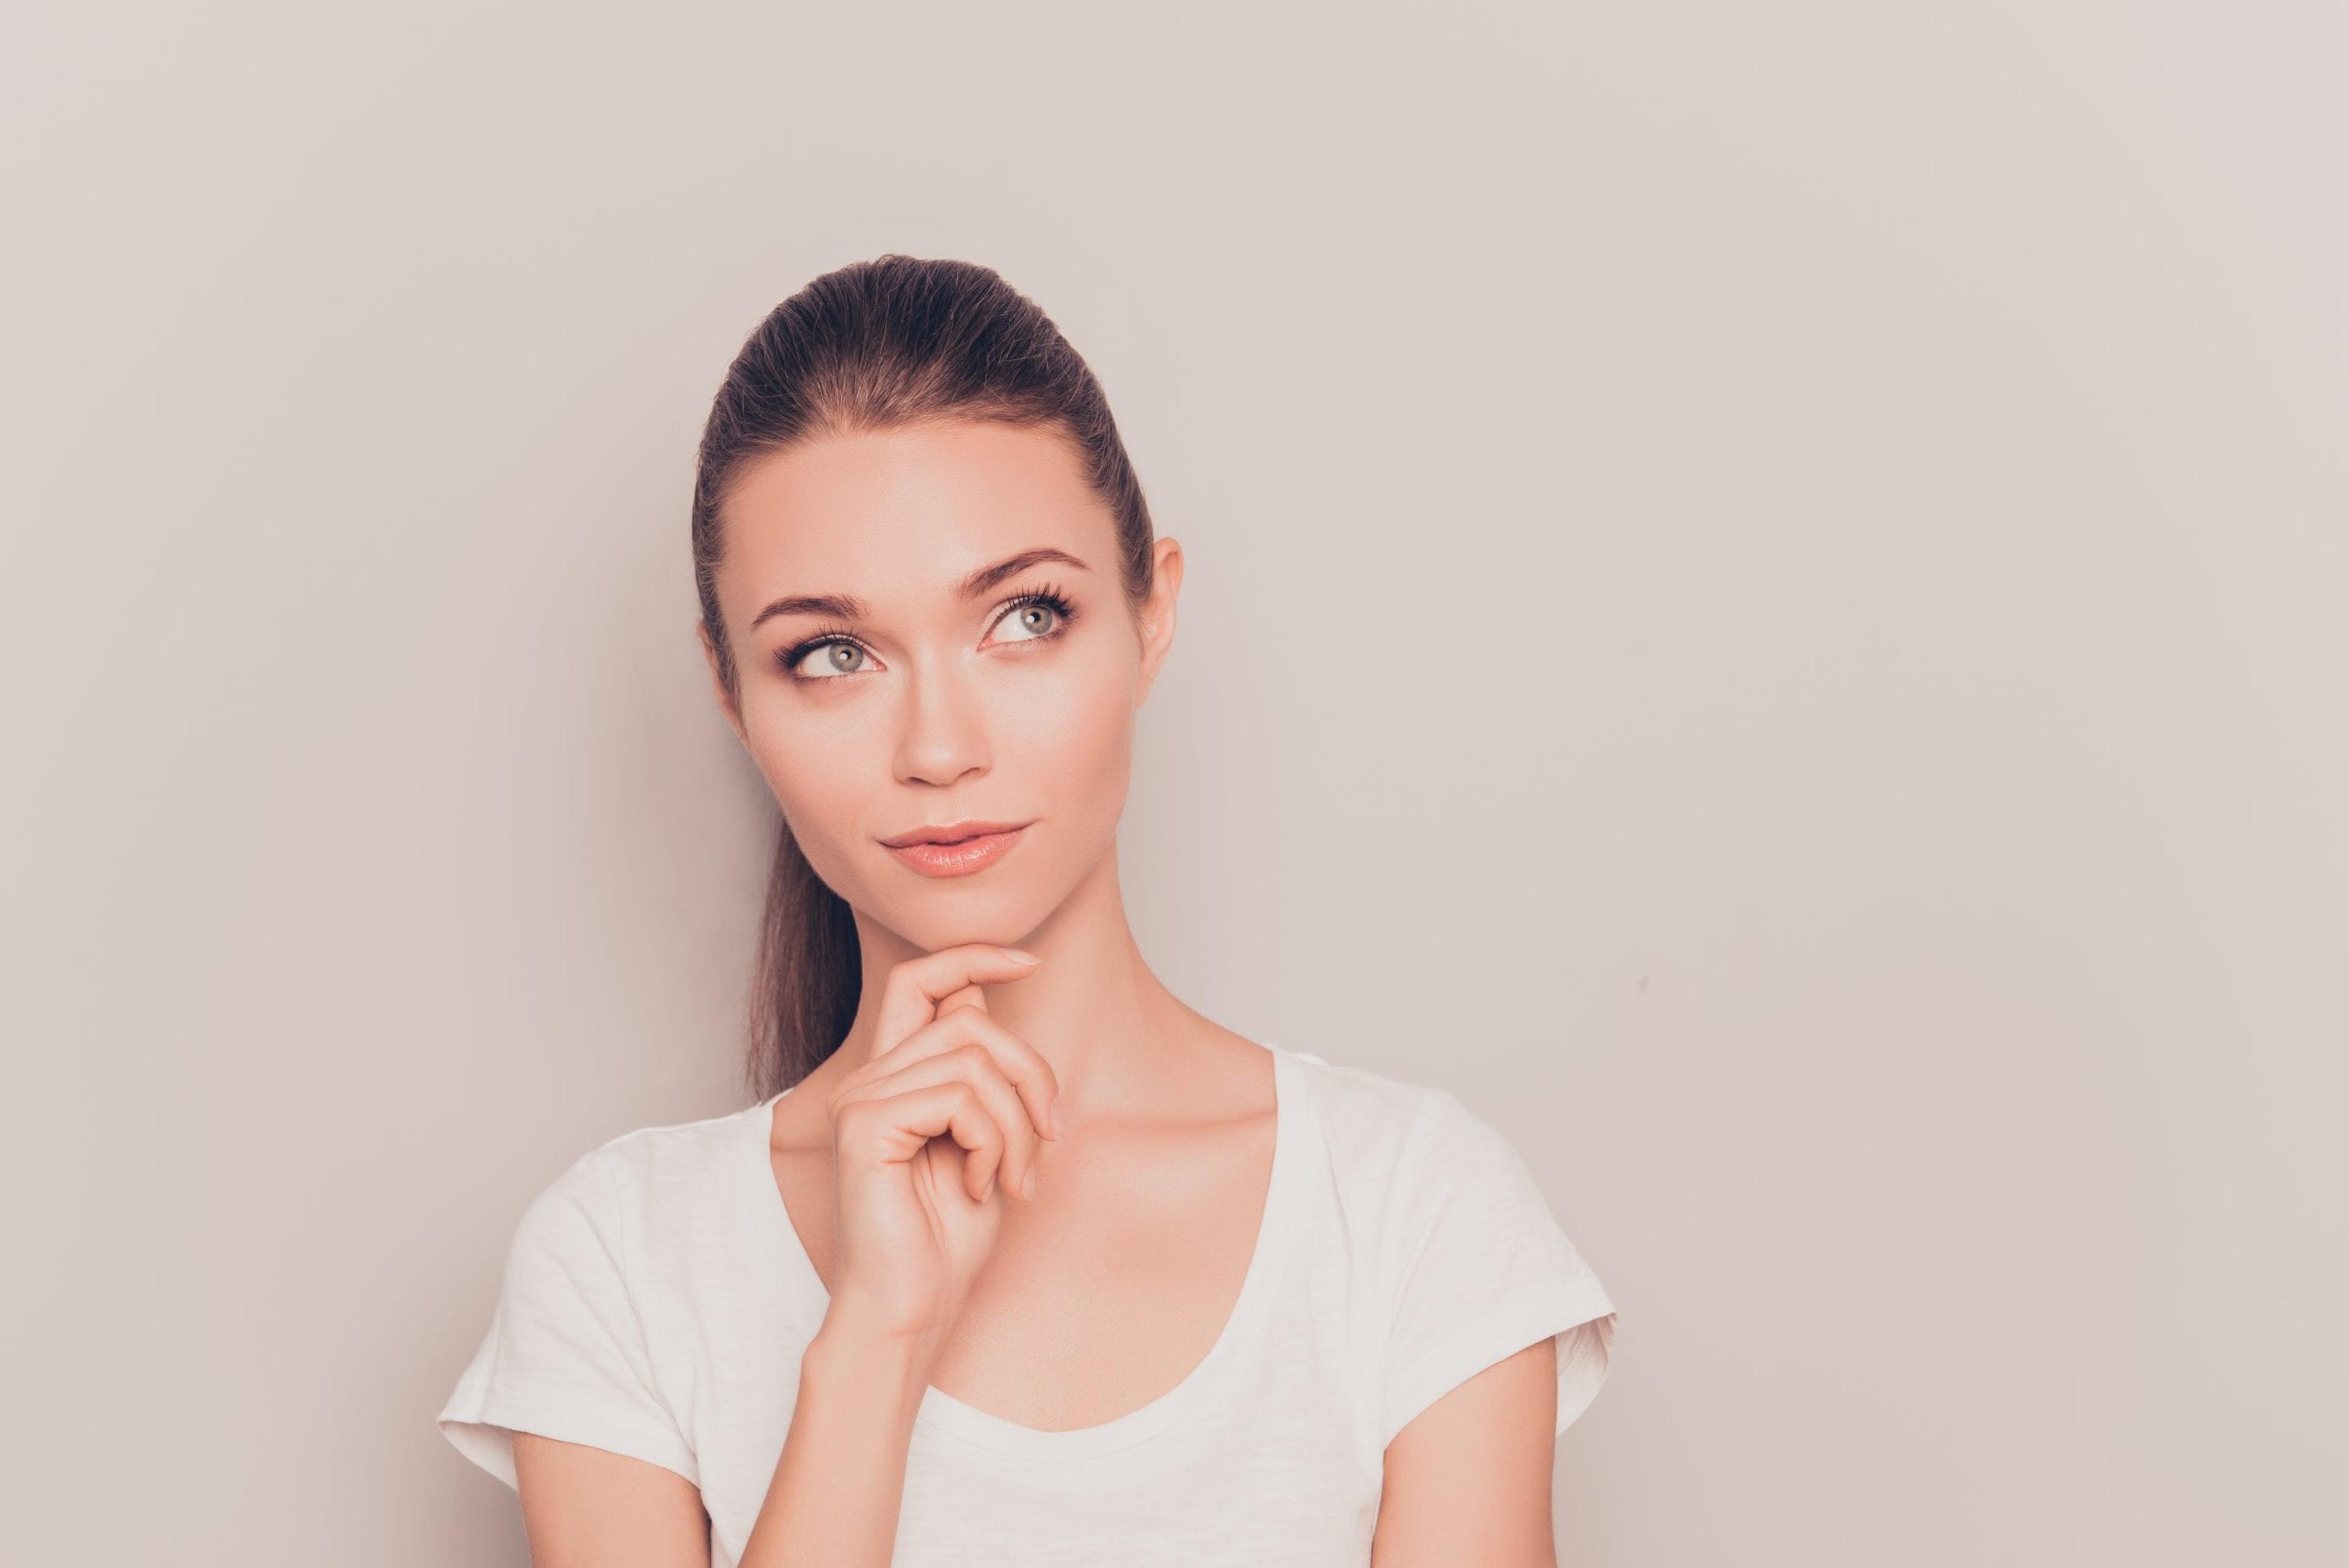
(1018, 1259)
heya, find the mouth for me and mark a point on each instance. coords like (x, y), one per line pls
(957, 849)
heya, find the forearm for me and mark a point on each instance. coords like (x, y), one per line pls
(841, 1477)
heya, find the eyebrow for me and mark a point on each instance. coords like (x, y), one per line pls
(848, 607)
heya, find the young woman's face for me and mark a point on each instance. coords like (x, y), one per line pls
(976, 663)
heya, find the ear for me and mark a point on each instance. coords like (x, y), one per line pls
(718, 683)
(1158, 618)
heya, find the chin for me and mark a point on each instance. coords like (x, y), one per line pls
(956, 910)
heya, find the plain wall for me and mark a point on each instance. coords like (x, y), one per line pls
(1765, 605)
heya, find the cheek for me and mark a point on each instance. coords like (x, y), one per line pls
(820, 788)
(1074, 747)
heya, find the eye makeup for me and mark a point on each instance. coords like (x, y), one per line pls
(1049, 595)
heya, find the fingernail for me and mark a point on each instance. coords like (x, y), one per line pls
(1022, 954)
(1028, 1184)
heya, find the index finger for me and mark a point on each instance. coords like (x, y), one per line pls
(910, 996)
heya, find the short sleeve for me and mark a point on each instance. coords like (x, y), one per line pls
(565, 1356)
(1481, 1270)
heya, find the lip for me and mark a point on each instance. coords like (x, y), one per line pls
(957, 849)
(945, 832)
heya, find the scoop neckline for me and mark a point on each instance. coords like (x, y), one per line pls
(778, 1241)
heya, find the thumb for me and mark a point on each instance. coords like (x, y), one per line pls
(968, 997)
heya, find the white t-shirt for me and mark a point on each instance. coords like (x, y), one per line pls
(656, 1302)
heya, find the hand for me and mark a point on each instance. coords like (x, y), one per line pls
(927, 1137)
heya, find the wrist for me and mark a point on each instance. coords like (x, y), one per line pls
(874, 1364)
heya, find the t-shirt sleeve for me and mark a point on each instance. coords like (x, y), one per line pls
(1481, 1270)
(565, 1354)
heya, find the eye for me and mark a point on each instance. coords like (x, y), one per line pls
(1037, 617)
(831, 653)
(827, 655)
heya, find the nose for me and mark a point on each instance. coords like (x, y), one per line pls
(944, 737)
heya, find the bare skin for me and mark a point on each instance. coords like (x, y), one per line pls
(1138, 1222)
(898, 1159)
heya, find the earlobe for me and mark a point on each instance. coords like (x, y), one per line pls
(1158, 614)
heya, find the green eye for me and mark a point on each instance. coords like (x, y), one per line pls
(1039, 616)
(839, 657)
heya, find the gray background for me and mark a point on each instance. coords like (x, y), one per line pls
(1765, 605)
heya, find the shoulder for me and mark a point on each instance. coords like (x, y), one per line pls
(1412, 1166)
(1461, 1257)
(675, 1153)
(644, 1189)
(585, 1343)
(1375, 1124)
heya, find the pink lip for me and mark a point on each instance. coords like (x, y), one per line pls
(958, 858)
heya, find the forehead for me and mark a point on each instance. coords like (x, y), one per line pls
(898, 517)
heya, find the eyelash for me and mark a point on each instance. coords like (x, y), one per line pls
(1049, 595)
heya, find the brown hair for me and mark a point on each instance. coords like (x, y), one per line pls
(877, 345)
